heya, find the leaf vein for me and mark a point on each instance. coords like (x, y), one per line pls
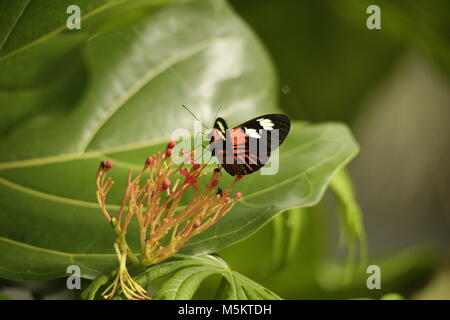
(153, 73)
(14, 25)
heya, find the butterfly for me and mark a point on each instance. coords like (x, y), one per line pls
(246, 148)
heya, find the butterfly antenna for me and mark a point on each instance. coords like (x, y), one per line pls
(194, 115)
(217, 113)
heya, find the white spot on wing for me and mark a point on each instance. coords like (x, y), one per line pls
(267, 124)
(220, 133)
(252, 133)
(221, 127)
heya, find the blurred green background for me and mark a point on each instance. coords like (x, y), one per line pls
(392, 87)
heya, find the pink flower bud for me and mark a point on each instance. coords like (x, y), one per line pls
(166, 184)
(237, 196)
(197, 223)
(148, 162)
(106, 165)
(171, 145)
(227, 199)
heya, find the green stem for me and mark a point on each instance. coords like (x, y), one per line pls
(123, 245)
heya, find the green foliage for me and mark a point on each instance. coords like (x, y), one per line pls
(113, 91)
(21, 261)
(286, 229)
(183, 276)
(288, 226)
(128, 109)
(330, 64)
(328, 61)
(351, 223)
(50, 73)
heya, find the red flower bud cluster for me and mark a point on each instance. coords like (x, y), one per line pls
(167, 214)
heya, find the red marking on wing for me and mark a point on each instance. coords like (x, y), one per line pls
(239, 140)
(238, 136)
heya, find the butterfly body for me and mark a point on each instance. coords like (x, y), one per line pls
(246, 148)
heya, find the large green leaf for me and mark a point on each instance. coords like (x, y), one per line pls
(27, 24)
(312, 154)
(41, 65)
(199, 54)
(22, 261)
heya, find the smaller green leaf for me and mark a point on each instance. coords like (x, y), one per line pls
(351, 219)
(184, 276)
(229, 289)
(91, 290)
(251, 293)
(263, 292)
(222, 290)
(184, 283)
(287, 227)
(161, 270)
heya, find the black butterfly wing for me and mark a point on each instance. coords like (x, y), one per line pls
(250, 144)
(266, 124)
(218, 137)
